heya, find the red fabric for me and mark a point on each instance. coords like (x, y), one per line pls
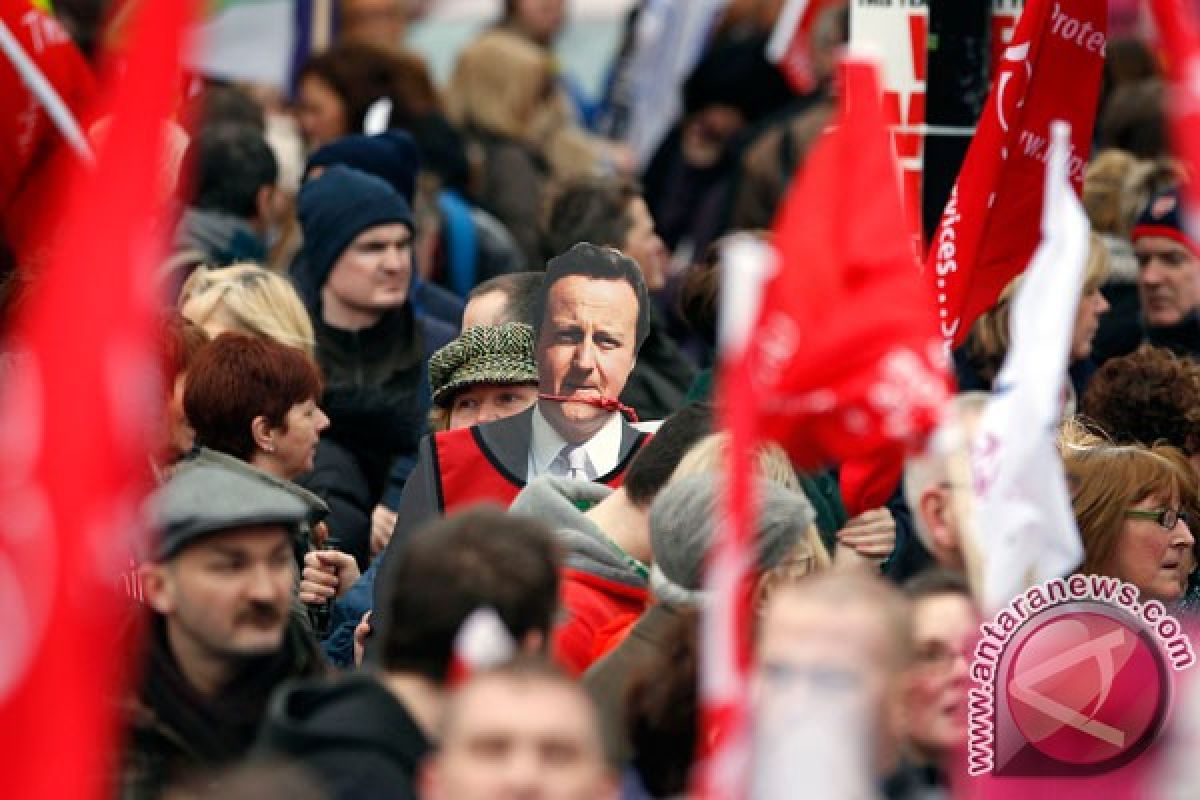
(76, 423)
(610, 636)
(846, 358)
(992, 221)
(1180, 42)
(868, 483)
(591, 603)
(27, 137)
(466, 475)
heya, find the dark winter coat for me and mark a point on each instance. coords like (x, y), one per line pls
(176, 734)
(355, 736)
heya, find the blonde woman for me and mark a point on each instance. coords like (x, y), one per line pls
(247, 298)
(505, 96)
(980, 359)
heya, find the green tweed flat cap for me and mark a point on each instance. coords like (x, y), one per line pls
(501, 354)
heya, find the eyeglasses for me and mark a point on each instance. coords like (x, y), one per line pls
(1165, 517)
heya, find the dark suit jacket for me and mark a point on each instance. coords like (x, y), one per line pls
(507, 441)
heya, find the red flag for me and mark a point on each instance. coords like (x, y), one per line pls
(990, 228)
(76, 417)
(868, 483)
(27, 137)
(1180, 42)
(790, 46)
(846, 359)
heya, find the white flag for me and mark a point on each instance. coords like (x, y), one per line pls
(1023, 515)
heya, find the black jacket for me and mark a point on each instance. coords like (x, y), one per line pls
(338, 480)
(658, 385)
(1182, 338)
(353, 735)
(174, 734)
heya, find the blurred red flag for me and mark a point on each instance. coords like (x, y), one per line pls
(832, 351)
(845, 356)
(1180, 43)
(27, 136)
(790, 46)
(78, 406)
(991, 223)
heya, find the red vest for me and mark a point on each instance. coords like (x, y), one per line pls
(469, 473)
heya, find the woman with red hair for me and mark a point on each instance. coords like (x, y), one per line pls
(256, 400)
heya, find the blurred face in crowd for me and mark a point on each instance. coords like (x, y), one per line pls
(371, 276)
(508, 737)
(1168, 279)
(320, 112)
(586, 347)
(485, 309)
(540, 20)
(225, 597)
(381, 23)
(1087, 322)
(644, 246)
(292, 446)
(934, 497)
(707, 132)
(805, 642)
(1154, 559)
(945, 627)
(487, 402)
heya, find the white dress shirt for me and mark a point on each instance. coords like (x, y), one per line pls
(603, 449)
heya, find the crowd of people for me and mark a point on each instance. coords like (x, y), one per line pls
(439, 467)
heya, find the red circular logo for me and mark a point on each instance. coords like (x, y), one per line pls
(1086, 688)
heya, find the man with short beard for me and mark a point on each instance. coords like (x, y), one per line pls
(219, 586)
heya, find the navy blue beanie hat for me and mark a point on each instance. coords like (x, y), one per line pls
(391, 155)
(335, 208)
(1163, 216)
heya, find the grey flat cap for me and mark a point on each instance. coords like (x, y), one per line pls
(204, 500)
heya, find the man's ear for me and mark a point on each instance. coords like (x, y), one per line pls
(937, 513)
(264, 202)
(933, 506)
(156, 587)
(260, 430)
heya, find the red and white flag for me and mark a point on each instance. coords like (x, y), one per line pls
(1022, 508)
(482, 642)
(828, 346)
(989, 229)
(725, 750)
(845, 359)
(1180, 42)
(790, 45)
(78, 402)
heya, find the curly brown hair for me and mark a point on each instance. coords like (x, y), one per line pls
(1146, 397)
